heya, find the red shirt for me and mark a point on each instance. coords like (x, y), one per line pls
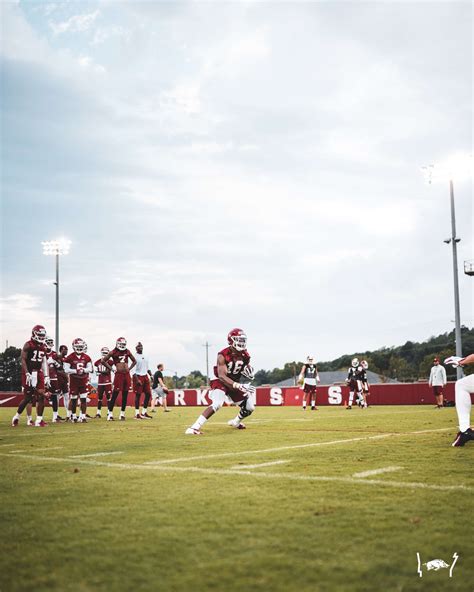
(235, 362)
(105, 375)
(120, 356)
(78, 362)
(35, 353)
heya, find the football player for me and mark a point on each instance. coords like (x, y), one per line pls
(34, 375)
(63, 378)
(78, 366)
(53, 366)
(141, 383)
(120, 356)
(365, 382)
(309, 377)
(354, 381)
(104, 386)
(463, 389)
(233, 363)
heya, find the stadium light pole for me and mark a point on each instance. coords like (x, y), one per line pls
(448, 171)
(56, 247)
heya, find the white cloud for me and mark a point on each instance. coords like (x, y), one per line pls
(76, 23)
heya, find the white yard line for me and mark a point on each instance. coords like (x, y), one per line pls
(258, 475)
(293, 447)
(96, 454)
(259, 465)
(47, 449)
(11, 444)
(376, 472)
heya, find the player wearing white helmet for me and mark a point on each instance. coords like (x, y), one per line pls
(463, 390)
(309, 377)
(233, 364)
(354, 381)
(119, 357)
(104, 386)
(78, 365)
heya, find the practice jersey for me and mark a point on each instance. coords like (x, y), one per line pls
(235, 361)
(355, 374)
(78, 362)
(120, 356)
(310, 374)
(104, 374)
(158, 374)
(141, 368)
(53, 364)
(35, 353)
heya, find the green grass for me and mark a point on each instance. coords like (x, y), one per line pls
(114, 523)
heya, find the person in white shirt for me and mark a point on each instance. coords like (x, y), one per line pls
(437, 381)
(141, 383)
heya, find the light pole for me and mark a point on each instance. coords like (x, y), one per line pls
(56, 248)
(207, 346)
(448, 172)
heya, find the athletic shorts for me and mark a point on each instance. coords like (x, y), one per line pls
(141, 384)
(78, 390)
(437, 390)
(158, 393)
(310, 389)
(104, 389)
(122, 382)
(234, 395)
(29, 391)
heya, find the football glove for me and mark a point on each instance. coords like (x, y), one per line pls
(29, 379)
(453, 361)
(47, 381)
(248, 372)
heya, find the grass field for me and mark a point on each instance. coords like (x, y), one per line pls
(287, 504)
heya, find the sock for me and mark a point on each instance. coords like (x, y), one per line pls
(74, 416)
(122, 413)
(17, 416)
(69, 413)
(39, 419)
(99, 413)
(137, 413)
(66, 400)
(200, 421)
(143, 410)
(28, 417)
(55, 414)
(237, 420)
(463, 404)
(351, 398)
(304, 405)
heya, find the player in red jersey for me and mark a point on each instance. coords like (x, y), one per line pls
(78, 365)
(120, 356)
(104, 386)
(233, 363)
(34, 375)
(63, 378)
(53, 366)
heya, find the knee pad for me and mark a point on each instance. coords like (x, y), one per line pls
(247, 407)
(217, 397)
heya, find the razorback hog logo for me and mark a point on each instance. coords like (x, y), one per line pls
(436, 564)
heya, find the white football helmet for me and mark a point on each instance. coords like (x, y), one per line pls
(364, 364)
(121, 344)
(38, 334)
(79, 345)
(104, 351)
(49, 341)
(310, 359)
(355, 362)
(237, 339)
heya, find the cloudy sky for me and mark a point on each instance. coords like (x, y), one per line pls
(221, 164)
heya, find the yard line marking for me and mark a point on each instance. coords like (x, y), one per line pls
(38, 449)
(96, 454)
(293, 447)
(376, 472)
(266, 464)
(259, 475)
(11, 444)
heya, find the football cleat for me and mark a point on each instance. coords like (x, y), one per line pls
(349, 407)
(30, 423)
(314, 408)
(15, 422)
(193, 432)
(137, 417)
(241, 426)
(146, 416)
(110, 418)
(98, 416)
(122, 418)
(463, 437)
(41, 424)
(82, 420)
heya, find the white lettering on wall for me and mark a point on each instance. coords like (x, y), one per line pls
(276, 397)
(335, 395)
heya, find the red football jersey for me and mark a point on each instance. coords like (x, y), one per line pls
(120, 356)
(235, 362)
(105, 375)
(77, 362)
(53, 364)
(34, 355)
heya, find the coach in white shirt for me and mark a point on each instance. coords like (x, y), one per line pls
(141, 383)
(437, 381)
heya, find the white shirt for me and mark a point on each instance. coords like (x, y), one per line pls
(141, 369)
(437, 376)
